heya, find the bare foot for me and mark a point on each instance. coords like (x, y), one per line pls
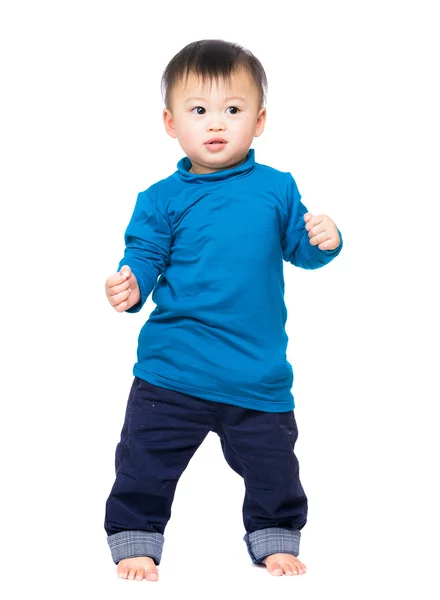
(280, 564)
(139, 568)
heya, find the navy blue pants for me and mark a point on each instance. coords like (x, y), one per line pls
(162, 431)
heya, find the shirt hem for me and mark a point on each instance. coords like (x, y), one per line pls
(260, 405)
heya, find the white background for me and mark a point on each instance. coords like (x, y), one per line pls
(353, 113)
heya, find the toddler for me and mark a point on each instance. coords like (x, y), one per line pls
(209, 241)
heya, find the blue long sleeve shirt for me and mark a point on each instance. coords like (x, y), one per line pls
(211, 248)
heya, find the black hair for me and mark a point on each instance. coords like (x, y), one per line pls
(212, 59)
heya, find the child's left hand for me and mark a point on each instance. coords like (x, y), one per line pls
(322, 231)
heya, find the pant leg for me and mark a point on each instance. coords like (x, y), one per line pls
(161, 432)
(260, 447)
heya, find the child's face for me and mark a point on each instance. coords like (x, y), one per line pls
(201, 112)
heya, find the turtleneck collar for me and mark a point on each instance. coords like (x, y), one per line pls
(184, 166)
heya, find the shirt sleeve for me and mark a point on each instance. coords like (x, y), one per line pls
(147, 246)
(296, 245)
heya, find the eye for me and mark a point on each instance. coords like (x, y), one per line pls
(235, 109)
(197, 108)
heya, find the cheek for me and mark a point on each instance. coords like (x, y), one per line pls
(246, 125)
(245, 130)
(188, 136)
(193, 131)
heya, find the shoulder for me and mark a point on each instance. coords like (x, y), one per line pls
(159, 193)
(157, 189)
(273, 174)
(268, 171)
(282, 182)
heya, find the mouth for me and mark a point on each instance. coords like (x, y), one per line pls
(215, 141)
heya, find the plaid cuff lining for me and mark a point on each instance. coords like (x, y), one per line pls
(127, 544)
(272, 540)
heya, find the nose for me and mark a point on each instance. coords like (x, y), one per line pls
(216, 123)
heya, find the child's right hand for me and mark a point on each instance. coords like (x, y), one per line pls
(122, 289)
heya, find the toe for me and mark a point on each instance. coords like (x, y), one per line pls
(139, 575)
(131, 574)
(301, 568)
(289, 568)
(294, 568)
(275, 569)
(298, 568)
(123, 573)
(152, 575)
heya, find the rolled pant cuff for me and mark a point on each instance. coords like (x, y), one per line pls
(272, 540)
(128, 544)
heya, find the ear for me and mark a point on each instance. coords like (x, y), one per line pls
(169, 122)
(261, 122)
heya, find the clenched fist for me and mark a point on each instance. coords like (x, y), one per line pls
(122, 289)
(322, 231)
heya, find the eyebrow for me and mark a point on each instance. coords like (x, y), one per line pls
(192, 98)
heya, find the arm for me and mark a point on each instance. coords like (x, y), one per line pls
(296, 244)
(147, 246)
